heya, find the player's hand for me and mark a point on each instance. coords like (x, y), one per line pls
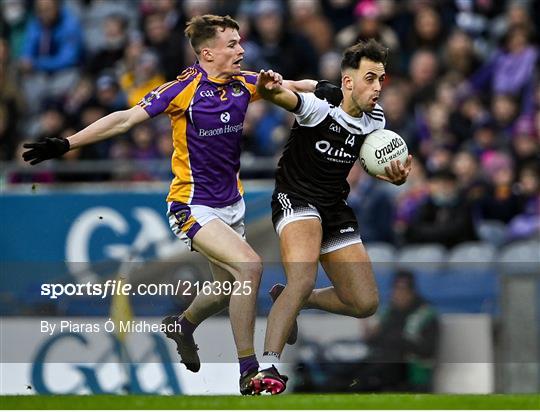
(397, 173)
(48, 148)
(329, 91)
(269, 80)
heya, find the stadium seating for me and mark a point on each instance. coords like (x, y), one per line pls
(425, 258)
(521, 257)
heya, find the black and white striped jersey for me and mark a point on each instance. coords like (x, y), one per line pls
(323, 145)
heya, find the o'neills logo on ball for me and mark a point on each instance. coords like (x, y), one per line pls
(389, 148)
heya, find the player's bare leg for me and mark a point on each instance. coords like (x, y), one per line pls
(227, 250)
(355, 290)
(300, 243)
(207, 304)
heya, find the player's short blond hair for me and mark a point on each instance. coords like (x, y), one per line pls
(200, 29)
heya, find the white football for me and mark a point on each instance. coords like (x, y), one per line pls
(380, 148)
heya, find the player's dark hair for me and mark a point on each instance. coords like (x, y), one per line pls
(370, 49)
(203, 28)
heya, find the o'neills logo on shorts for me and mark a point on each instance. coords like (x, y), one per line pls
(389, 148)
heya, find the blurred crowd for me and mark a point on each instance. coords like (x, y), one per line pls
(462, 89)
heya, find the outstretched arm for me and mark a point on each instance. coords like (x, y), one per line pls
(300, 86)
(270, 87)
(111, 125)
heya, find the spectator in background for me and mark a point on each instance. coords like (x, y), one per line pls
(143, 143)
(423, 72)
(277, 46)
(459, 57)
(96, 12)
(502, 201)
(444, 217)
(50, 122)
(510, 71)
(469, 115)
(525, 144)
(504, 110)
(330, 67)
(395, 101)
(403, 344)
(527, 224)
(193, 8)
(470, 182)
(109, 95)
(518, 13)
(428, 32)
(484, 139)
(52, 50)
(172, 17)
(306, 17)
(369, 25)
(373, 205)
(439, 157)
(339, 12)
(266, 129)
(79, 96)
(111, 51)
(13, 19)
(433, 123)
(168, 44)
(11, 105)
(144, 77)
(408, 202)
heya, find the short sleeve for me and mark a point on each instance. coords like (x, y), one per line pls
(171, 96)
(250, 81)
(312, 110)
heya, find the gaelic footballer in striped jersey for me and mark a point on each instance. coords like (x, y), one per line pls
(309, 204)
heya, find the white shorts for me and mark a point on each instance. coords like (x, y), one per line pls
(186, 220)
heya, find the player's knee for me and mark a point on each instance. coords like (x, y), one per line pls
(367, 306)
(251, 269)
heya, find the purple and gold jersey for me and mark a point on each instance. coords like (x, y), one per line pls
(207, 117)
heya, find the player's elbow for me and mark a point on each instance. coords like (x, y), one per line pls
(131, 117)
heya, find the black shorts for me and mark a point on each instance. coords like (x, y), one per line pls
(339, 224)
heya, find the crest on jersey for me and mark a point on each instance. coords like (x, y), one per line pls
(147, 100)
(225, 117)
(181, 217)
(237, 90)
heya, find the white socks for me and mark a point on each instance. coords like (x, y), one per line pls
(268, 359)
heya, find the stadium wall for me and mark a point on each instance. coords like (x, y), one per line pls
(74, 361)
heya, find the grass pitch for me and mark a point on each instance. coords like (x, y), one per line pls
(297, 401)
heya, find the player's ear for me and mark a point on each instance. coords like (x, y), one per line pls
(207, 54)
(347, 82)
